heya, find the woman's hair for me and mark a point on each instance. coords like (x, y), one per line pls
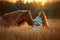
(44, 18)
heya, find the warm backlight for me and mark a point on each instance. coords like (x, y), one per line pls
(25, 1)
(42, 1)
(29, 1)
(13, 1)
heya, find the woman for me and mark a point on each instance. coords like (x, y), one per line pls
(40, 21)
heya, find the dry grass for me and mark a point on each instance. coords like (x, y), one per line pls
(27, 33)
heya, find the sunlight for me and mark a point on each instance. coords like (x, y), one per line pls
(42, 1)
(29, 1)
(13, 1)
(25, 1)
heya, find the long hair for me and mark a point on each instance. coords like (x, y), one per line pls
(44, 19)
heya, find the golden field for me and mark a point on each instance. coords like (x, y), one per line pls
(24, 32)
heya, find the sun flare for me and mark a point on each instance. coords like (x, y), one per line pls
(29, 1)
(42, 1)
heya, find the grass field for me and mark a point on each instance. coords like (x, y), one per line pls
(27, 33)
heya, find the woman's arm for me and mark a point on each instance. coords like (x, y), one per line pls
(45, 20)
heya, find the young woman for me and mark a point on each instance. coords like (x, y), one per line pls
(40, 21)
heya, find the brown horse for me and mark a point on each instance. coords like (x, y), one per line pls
(15, 18)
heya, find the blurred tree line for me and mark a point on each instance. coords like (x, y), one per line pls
(52, 10)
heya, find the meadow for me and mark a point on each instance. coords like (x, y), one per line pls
(25, 32)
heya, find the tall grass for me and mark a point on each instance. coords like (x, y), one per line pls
(27, 33)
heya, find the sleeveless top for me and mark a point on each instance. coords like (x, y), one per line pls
(39, 22)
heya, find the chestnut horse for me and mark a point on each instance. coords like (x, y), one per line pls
(15, 18)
